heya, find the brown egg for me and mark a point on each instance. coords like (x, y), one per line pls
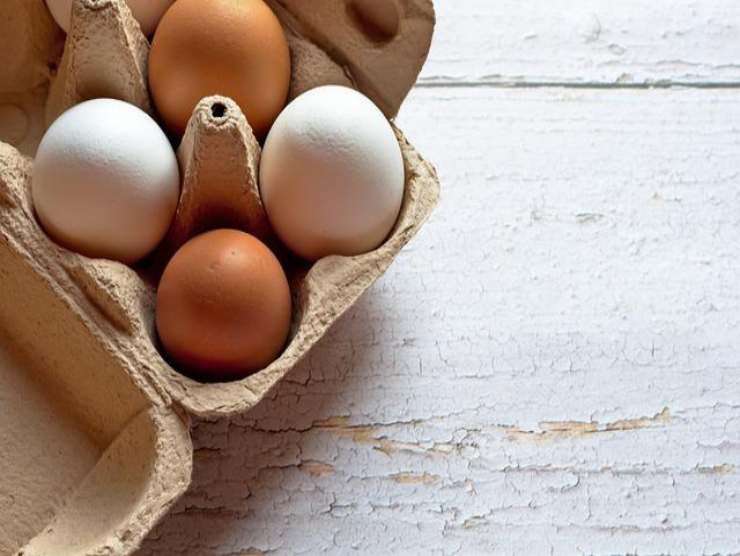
(234, 48)
(223, 306)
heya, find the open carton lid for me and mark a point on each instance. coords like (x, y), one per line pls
(92, 456)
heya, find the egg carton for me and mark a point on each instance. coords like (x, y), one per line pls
(95, 422)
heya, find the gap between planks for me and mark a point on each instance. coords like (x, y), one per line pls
(508, 84)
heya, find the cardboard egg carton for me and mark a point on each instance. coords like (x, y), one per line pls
(95, 422)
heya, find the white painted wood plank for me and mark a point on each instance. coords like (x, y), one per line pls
(553, 366)
(628, 42)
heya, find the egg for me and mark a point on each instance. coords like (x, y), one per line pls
(234, 48)
(223, 306)
(332, 174)
(106, 181)
(147, 12)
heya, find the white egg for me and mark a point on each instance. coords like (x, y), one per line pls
(147, 12)
(332, 174)
(106, 181)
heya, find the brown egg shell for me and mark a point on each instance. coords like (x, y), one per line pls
(236, 49)
(223, 306)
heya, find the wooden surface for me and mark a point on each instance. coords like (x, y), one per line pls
(553, 366)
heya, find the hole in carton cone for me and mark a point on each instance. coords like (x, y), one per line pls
(218, 109)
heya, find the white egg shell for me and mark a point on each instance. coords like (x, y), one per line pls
(332, 174)
(147, 12)
(106, 181)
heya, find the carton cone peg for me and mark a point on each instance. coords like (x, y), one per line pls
(105, 56)
(219, 162)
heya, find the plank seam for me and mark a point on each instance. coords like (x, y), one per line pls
(447, 84)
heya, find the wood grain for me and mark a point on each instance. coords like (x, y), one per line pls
(551, 367)
(628, 43)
